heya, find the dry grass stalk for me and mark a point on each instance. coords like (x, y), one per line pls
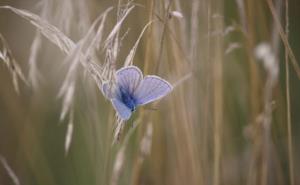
(130, 56)
(242, 14)
(75, 53)
(13, 67)
(64, 16)
(284, 38)
(75, 56)
(55, 35)
(163, 35)
(232, 47)
(89, 43)
(65, 43)
(182, 80)
(67, 90)
(120, 156)
(49, 31)
(144, 151)
(265, 53)
(254, 76)
(117, 27)
(34, 75)
(218, 92)
(69, 133)
(10, 171)
(65, 13)
(288, 100)
(112, 43)
(172, 60)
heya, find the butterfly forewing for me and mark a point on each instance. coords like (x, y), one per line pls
(107, 90)
(151, 88)
(129, 78)
(123, 111)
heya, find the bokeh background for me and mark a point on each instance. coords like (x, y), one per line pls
(226, 121)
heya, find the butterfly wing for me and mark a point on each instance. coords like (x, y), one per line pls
(129, 78)
(108, 91)
(123, 111)
(151, 88)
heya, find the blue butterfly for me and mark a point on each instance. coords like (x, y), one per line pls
(132, 90)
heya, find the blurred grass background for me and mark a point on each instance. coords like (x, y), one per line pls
(214, 128)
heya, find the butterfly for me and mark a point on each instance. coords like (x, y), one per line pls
(133, 90)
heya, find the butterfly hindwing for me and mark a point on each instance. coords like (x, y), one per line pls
(129, 78)
(123, 111)
(151, 88)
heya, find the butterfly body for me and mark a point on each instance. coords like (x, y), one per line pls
(127, 99)
(133, 90)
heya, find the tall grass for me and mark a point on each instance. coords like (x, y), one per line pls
(230, 118)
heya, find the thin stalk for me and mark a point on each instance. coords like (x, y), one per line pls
(284, 38)
(207, 115)
(218, 92)
(149, 42)
(166, 18)
(288, 99)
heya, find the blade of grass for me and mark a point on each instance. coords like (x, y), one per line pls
(10, 171)
(13, 67)
(284, 38)
(288, 99)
